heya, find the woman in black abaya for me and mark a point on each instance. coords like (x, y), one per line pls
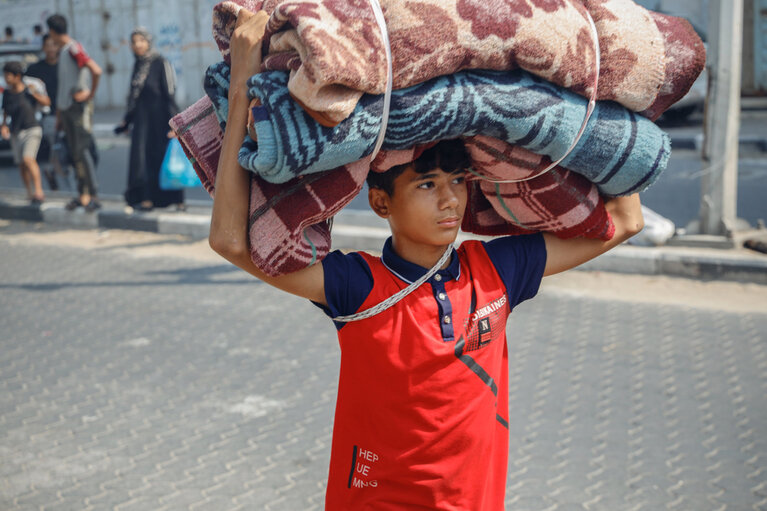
(151, 104)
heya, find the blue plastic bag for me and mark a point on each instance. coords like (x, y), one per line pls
(177, 171)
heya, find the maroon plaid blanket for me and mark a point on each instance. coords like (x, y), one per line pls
(201, 137)
(560, 202)
(288, 228)
(482, 218)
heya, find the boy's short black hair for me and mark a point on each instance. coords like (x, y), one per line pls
(57, 23)
(14, 67)
(9, 31)
(449, 155)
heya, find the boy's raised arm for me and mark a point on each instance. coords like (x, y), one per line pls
(40, 97)
(562, 255)
(229, 221)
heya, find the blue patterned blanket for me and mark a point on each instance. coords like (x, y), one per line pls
(620, 151)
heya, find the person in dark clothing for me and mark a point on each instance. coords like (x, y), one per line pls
(151, 104)
(19, 104)
(47, 71)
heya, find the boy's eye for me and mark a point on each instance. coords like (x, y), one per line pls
(426, 185)
(458, 180)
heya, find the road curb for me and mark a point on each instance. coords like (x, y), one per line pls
(737, 265)
(362, 230)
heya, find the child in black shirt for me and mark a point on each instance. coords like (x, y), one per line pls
(19, 105)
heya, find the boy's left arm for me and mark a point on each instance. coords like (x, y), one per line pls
(561, 255)
(40, 97)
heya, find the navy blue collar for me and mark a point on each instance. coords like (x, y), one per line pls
(410, 272)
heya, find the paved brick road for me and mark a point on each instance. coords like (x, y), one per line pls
(163, 383)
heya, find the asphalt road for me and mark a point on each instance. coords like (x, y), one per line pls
(141, 372)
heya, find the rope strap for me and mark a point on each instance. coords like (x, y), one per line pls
(395, 298)
(389, 77)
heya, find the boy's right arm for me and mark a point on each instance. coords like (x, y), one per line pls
(229, 221)
(95, 77)
(40, 97)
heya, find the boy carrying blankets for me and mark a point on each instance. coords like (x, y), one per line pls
(422, 412)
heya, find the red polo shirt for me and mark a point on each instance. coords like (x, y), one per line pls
(422, 411)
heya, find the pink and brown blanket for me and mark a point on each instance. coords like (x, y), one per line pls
(335, 53)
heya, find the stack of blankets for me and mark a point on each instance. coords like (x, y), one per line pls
(511, 78)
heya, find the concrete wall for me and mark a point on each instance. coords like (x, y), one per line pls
(182, 31)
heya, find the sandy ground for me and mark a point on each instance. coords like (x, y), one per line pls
(716, 295)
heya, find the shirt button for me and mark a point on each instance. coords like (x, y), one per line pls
(441, 296)
(437, 277)
(446, 320)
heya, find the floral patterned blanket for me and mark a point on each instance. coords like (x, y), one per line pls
(335, 52)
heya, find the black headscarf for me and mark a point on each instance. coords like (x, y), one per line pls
(140, 67)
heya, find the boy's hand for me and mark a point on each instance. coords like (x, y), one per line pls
(245, 47)
(81, 96)
(5, 132)
(561, 255)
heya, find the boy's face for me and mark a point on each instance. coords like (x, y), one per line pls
(11, 79)
(425, 209)
(50, 48)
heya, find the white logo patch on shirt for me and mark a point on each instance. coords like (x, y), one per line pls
(489, 309)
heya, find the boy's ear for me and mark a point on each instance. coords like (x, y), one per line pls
(379, 202)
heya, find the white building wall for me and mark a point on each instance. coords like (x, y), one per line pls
(181, 28)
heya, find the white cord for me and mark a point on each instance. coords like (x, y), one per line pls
(389, 77)
(389, 302)
(589, 111)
